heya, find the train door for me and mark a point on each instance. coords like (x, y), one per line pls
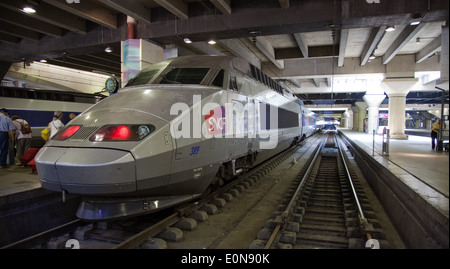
(237, 127)
(252, 125)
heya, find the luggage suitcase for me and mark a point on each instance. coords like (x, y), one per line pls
(32, 163)
(28, 156)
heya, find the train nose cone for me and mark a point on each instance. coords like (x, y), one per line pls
(86, 170)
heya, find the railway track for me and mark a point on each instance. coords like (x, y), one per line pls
(149, 231)
(325, 208)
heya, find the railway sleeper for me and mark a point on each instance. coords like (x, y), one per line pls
(317, 240)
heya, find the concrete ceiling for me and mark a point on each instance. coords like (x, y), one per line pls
(289, 39)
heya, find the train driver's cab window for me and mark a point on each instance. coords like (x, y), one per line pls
(233, 83)
(142, 78)
(218, 80)
(185, 75)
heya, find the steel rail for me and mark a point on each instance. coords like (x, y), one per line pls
(285, 216)
(362, 219)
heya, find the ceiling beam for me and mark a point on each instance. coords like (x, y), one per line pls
(296, 82)
(29, 23)
(50, 14)
(318, 51)
(237, 48)
(89, 11)
(301, 42)
(407, 34)
(107, 57)
(83, 66)
(375, 37)
(316, 82)
(95, 61)
(17, 31)
(430, 49)
(131, 8)
(342, 46)
(222, 5)
(176, 7)
(9, 38)
(203, 48)
(266, 48)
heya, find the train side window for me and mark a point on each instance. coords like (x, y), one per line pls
(233, 83)
(218, 80)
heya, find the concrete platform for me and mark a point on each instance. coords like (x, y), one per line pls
(412, 182)
(15, 179)
(414, 156)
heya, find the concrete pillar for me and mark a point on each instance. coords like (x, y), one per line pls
(355, 111)
(131, 27)
(373, 101)
(359, 123)
(397, 89)
(343, 121)
(444, 53)
(350, 118)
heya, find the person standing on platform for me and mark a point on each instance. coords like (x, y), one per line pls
(23, 140)
(56, 124)
(434, 133)
(6, 126)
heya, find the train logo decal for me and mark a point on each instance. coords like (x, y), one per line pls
(215, 121)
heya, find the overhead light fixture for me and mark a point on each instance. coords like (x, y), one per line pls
(43, 61)
(187, 41)
(211, 42)
(415, 22)
(109, 50)
(390, 28)
(372, 57)
(29, 9)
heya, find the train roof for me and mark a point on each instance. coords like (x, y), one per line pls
(226, 62)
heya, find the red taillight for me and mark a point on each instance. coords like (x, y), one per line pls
(122, 133)
(67, 132)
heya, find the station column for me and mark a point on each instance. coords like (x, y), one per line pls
(349, 119)
(359, 115)
(397, 89)
(374, 102)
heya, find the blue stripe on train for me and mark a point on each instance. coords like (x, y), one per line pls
(39, 118)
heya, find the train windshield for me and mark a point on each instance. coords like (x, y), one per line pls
(142, 78)
(185, 75)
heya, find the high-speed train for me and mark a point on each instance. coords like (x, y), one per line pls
(176, 130)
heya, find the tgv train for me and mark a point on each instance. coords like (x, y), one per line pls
(176, 130)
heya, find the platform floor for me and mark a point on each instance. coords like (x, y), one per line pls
(14, 179)
(414, 155)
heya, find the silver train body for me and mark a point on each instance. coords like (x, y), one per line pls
(178, 128)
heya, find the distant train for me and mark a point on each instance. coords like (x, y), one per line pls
(178, 129)
(37, 106)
